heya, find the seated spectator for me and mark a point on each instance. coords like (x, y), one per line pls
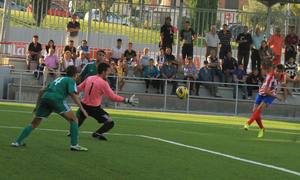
(206, 76)
(34, 51)
(253, 80)
(169, 56)
(83, 47)
(161, 58)
(215, 66)
(70, 47)
(229, 65)
(117, 52)
(168, 71)
(291, 69)
(112, 79)
(265, 53)
(67, 61)
(51, 65)
(39, 71)
(81, 61)
(100, 57)
(50, 45)
(120, 74)
(239, 77)
(151, 71)
(190, 73)
(144, 61)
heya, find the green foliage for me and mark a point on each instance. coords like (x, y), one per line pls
(204, 14)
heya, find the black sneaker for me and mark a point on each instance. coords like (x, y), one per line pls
(99, 136)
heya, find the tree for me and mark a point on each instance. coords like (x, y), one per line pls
(39, 10)
(204, 14)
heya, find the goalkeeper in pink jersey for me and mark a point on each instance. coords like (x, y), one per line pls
(94, 87)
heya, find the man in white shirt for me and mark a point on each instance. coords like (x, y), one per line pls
(117, 52)
(212, 41)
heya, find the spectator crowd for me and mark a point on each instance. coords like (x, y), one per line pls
(219, 66)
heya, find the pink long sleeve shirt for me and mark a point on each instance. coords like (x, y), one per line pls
(94, 87)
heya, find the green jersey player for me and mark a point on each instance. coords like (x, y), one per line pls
(51, 100)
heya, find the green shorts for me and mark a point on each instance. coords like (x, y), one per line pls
(47, 106)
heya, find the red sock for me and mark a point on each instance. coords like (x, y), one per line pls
(255, 116)
(260, 124)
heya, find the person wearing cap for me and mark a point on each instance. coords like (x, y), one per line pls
(206, 76)
(276, 43)
(166, 34)
(73, 28)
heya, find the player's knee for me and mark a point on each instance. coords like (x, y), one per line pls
(110, 124)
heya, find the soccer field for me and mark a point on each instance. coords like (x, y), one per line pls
(149, 145)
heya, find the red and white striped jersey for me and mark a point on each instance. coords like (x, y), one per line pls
(270, 85)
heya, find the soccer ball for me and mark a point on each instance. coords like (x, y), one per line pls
(182, 92)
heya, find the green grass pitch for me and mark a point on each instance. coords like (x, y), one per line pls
(133, 153)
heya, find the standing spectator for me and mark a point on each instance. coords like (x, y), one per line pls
(187, 35)
(120, 74)
(215, 66)
(67, 61)
(50, 45)
(190, 73)
(225, 40)
(244, 40)
(70, 47)
(239, 77)
(83, 47)
(205, 76)
(34, 51)
(151, 72)
(130, 54)
(265, 53)
(161, 58)
(166, 34)
(291, 41)
(73, 29)
(276, 43)
(51, 65)
(168, 71)
(229, 66)
(81, 61)
(211, 41)
(257, 38)
(117, 51)
(253, 80)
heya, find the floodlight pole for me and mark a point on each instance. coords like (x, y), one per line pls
(88, 34)
(179, 26)
(5, 21)
(269, 13)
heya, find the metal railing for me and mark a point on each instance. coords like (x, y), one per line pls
(22, 87)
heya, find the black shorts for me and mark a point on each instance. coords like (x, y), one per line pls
(187, 51)
(96, 112)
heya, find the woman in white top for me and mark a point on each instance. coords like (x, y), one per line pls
(67, 60)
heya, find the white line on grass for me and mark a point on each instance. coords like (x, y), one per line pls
(171, 121)
(177, 144)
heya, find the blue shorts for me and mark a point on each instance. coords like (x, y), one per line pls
(266, 99)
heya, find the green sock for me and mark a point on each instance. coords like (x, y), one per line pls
(74, 133)
(26, 131)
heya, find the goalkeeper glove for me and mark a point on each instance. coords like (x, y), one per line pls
(132, 100)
